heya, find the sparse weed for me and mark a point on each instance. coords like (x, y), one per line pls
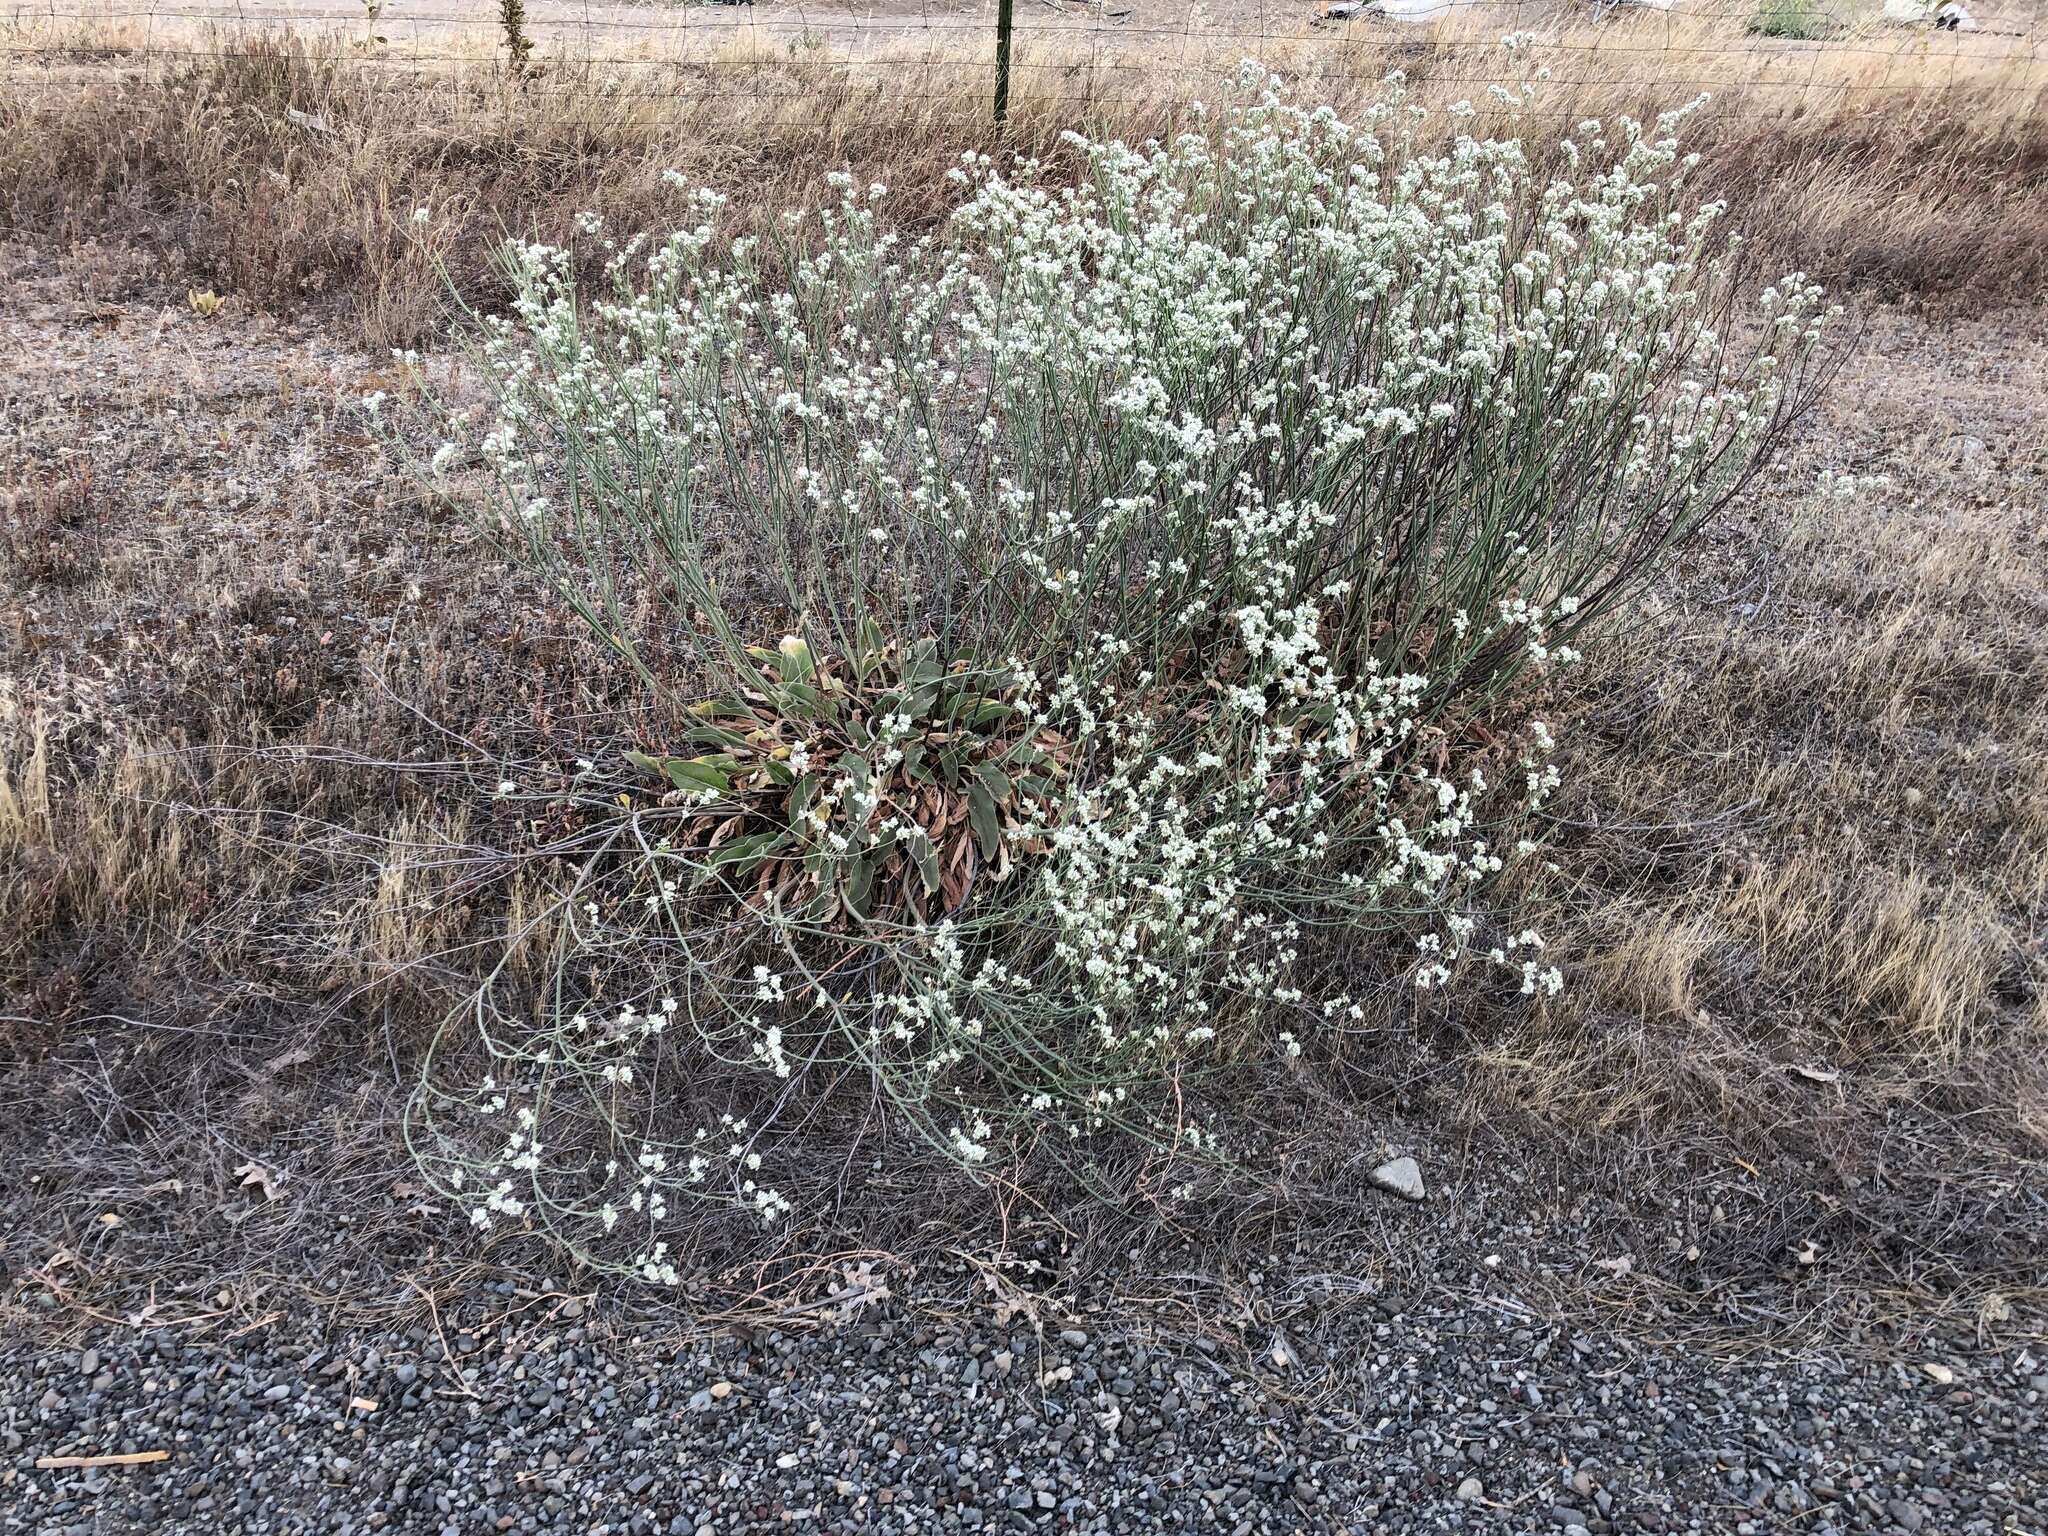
(52, 526)
(518, 46)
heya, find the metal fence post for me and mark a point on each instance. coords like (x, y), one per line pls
(1002, 60)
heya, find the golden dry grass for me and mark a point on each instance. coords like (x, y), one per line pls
(1888, 158)
(1809, 825)
(94, 851)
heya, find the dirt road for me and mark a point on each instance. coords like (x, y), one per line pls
(954, 29)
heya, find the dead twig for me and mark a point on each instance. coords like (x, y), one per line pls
(126, 1459)
(434, 1311)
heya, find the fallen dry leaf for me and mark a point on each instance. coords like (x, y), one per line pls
(262, 1178)
(863, 1288)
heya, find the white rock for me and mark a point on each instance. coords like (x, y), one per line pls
(1400, 1177)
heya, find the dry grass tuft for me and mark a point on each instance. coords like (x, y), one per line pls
(88, 858)
(1890, 955)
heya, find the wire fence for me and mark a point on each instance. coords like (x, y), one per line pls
(978, 57)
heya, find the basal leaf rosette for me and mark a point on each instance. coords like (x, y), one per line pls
(885, 788)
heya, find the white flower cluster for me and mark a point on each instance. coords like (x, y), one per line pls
(635, 1184)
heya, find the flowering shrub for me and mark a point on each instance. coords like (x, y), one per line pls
(1159, 564)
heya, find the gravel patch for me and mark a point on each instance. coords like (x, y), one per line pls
(1446, 1419)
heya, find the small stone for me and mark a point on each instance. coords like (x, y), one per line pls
(720, 1390)
(1470, 1491)
(1400, 1177)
